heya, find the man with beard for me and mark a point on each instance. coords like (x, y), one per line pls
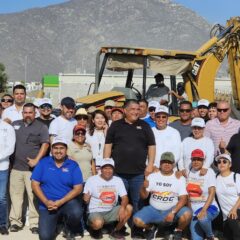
(32, 142)
(14, 112)
(63, 125)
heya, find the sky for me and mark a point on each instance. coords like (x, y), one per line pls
(214, 11)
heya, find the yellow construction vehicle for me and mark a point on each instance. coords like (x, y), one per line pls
(198, 69)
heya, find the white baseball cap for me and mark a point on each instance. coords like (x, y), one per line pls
(203, 102)
(107, 161)
(162, 109)
(153, 104)
(225, 156)
(60, 140)
(198, 122)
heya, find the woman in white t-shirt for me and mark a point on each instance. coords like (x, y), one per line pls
(96, 134)
(197, 141)
(201, 190)
(228, 193)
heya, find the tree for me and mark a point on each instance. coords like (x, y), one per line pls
(3, 78)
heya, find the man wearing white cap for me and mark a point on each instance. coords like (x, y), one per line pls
(101, 193)
(167, 138)
(57, 182)
(45, 110)
(108, 106)
(197, 141)
(202, 106)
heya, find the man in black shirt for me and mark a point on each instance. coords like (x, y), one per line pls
(130, 142)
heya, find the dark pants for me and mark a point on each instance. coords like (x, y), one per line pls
(3, 198)
(231, 229)
(71, 212)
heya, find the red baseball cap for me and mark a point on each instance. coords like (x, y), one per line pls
(79, 127)
(197, 153)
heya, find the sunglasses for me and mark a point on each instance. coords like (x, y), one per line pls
(7, 100)
(47, 107)
(223, 161)
(82, 118)
(161, 117)
(152, 109)
(185, 110)
(222, 109)
(79, 134)
(108, 107)
(197, 128)
(197, 159)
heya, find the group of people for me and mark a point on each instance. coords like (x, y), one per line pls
(91, 170)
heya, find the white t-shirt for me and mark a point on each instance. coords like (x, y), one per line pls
(12, 113)
(197, 188)
(96, 141)
(62, 127)
(189, 144)
(228, 192)
(167, 140)
(104, 194)
(165, 190)
(7, 144)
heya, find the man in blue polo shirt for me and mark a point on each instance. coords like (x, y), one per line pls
(57, 182)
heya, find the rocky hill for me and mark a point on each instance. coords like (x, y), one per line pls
(66, 37)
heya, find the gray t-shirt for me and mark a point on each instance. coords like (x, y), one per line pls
(184, 130)
(29, 139)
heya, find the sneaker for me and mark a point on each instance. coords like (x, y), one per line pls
(96, 234)
(177, 235)
(210, 238)
(124, 232)
(117, 235)
(152, 232)
(34, 230)
(3, 231)
(15, 228)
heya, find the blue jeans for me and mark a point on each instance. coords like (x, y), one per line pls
(3, 198)
(200, 228)
(133, 183)
(72, 213)
(150, 214)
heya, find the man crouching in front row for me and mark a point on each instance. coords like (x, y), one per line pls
(102, 192)
(167, 200)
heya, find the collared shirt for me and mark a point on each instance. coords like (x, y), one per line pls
(12, 113)
(29, 139)
(217, 131)
(7, 144)
(56, 182)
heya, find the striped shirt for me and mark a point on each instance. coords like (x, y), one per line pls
(216, 131)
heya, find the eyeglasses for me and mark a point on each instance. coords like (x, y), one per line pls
(185, 110)
(223, 161)
(161, 117)
(7, 100)
(79, 134)
(222, 109)
(78, 117)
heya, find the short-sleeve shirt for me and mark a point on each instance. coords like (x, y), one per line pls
(29, 139)
(56, 182)
(62, 127)
(104, 193)
(130, 144)
(197, 188)
(184, 130)
(165, 190)
(228, 192)
(83, 156)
